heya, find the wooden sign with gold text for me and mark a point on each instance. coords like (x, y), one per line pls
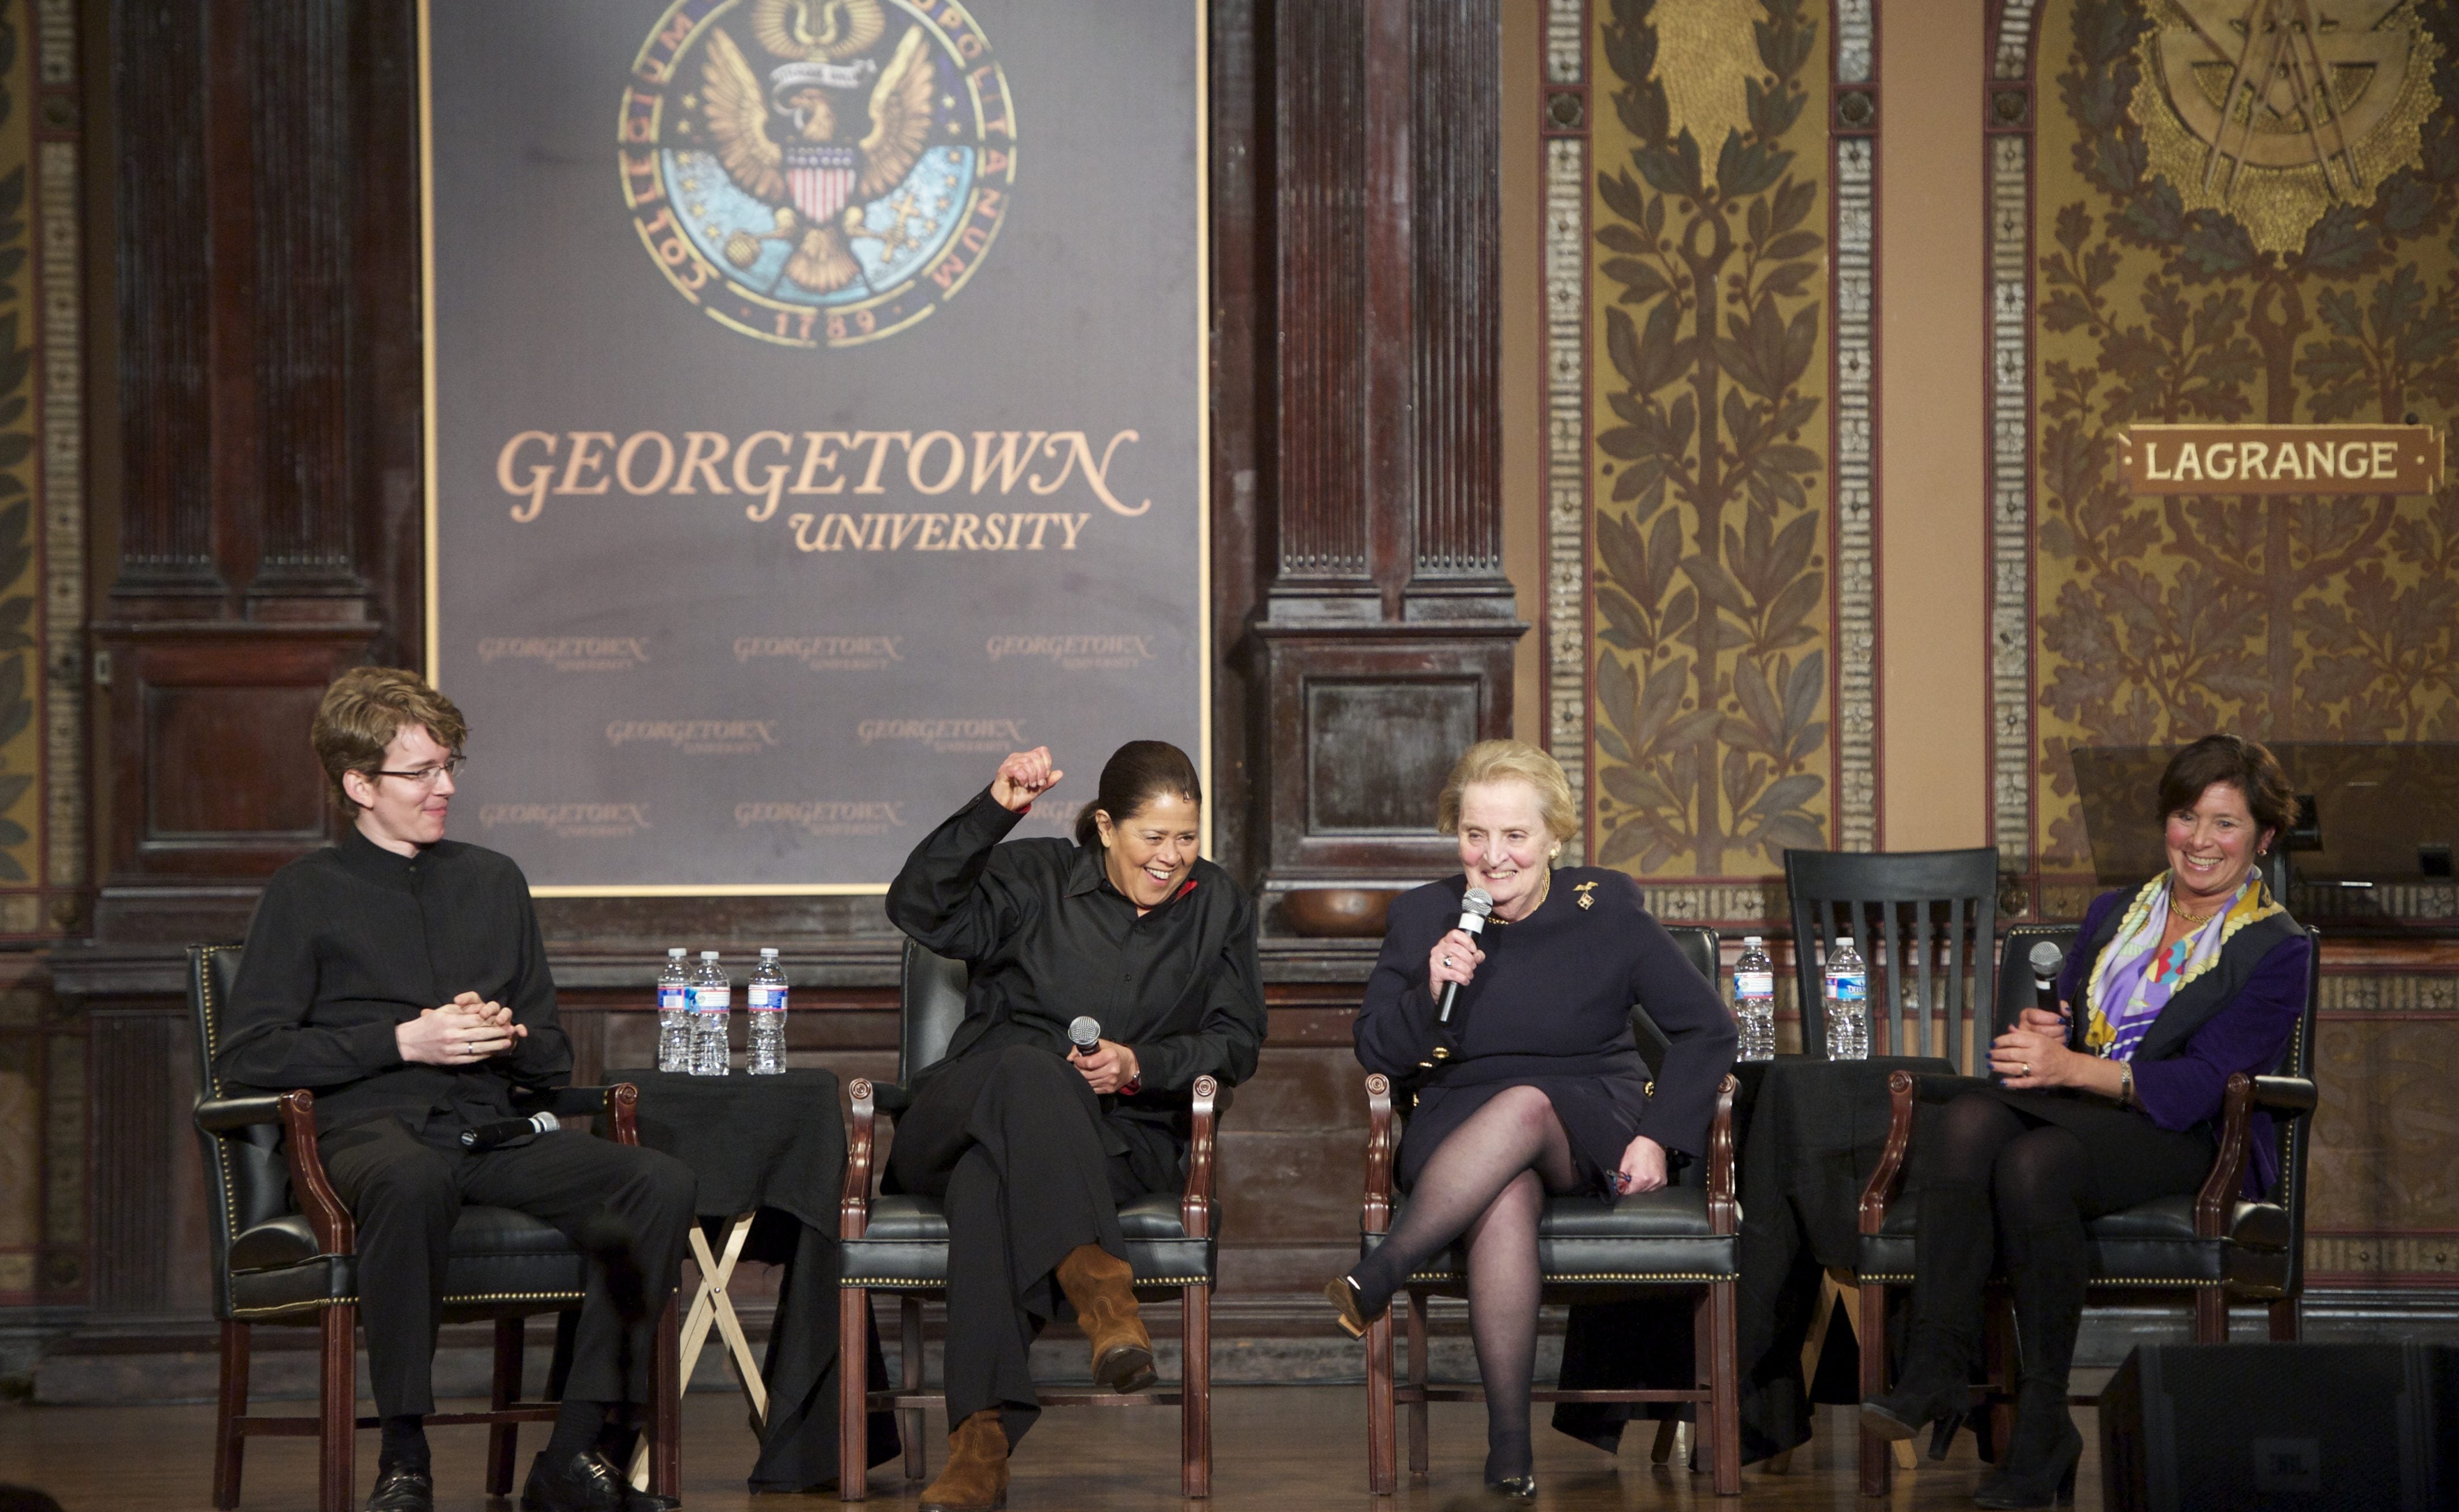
(2283, 459)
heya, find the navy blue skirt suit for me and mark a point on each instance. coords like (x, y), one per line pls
(1550, 1008)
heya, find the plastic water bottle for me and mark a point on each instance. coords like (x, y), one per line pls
(1754, 1000)
(674, 1015)
(765, 999)
(1848, 1003)
(712, 1004)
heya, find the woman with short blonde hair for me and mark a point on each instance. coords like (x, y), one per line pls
(1542, 1089)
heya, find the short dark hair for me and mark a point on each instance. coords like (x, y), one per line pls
(1137, 773)
(2246, 766)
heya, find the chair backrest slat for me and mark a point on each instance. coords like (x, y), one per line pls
(1891, 904)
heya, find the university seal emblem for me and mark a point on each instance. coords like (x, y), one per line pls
(817, 172)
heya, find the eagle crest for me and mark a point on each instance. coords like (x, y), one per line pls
(810, 167)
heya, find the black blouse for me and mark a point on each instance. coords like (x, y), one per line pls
(1047, 937)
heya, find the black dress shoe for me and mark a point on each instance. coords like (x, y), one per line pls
(585, 1483)
(1519, 1488)
(403, 1488)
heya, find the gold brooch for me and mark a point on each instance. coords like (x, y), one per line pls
(1584, 888)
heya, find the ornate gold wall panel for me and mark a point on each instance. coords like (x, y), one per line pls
(2213, 238)
(1709, 624)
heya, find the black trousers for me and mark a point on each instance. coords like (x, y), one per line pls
(407, 1192)
(1017, 1150)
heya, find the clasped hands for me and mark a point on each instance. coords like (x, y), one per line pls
(463, 1032)
(2035, 1053)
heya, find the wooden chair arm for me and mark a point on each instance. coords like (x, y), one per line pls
(853, 1206)
(1383, 1140)
(624, 1112)
(2218, 1200)
(1195, 1203)
(1724, 1212)
(336, 1233)
(1888, 1179)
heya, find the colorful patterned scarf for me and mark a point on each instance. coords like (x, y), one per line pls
(2134, 977)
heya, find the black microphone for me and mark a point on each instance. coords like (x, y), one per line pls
(1085, 1034)
(2046, 960)
(1475, 906)
(503, 1131)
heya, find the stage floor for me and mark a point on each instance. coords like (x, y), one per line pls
(1277, 1449)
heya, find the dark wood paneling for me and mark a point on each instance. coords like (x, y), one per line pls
(147, 1196)
(231, 764)
(1377, 752)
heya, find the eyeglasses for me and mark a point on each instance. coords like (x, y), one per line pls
(425, 776)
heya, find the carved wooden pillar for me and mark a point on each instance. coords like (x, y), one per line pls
(260, 277)
(1385, 635)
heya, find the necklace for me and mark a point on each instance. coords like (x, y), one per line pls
(2187, 913)
(1544, 885)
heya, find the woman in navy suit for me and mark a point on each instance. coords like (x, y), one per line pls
(2197, 975)
(1544, 1089)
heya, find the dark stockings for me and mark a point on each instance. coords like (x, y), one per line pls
(1486, 1181)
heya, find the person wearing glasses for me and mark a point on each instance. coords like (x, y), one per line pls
(400, 976)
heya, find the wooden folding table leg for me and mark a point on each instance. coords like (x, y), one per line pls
(1195, 1391)
(337, 1392)
(230, 1445)
(503, 1439)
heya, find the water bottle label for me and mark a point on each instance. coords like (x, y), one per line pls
(1753, 985)
(1848, 986)
(673, 997)
(763, 996)
(712, 1000)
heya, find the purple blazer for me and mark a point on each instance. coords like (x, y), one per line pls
(2238, 1017)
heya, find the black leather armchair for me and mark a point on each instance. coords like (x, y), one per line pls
(2212, 1249)
(899, 1244)
(1677, 1238)
(284, 1254)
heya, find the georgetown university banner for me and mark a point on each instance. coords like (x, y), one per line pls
(816, 397)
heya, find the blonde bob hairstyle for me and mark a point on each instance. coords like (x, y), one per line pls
(1510, 760)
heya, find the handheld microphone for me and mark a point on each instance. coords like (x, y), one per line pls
(1085, 1034)
(503, 1131)
(2046, 961)
(1475, 905)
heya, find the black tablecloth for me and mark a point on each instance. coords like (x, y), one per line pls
(1807, 1133)
(774, 1146)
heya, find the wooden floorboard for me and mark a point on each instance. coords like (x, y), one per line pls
(1277, 1449)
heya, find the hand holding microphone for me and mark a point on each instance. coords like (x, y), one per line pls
(1107, 1065)
(1456, 956)
(2046, 1016)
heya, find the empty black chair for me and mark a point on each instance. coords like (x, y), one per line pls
(899, 1244)
(1922, 920)
(283, 1249)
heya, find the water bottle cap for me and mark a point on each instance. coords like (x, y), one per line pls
(768, 952)
(674, 953)
(1749, 941)
(708, 955)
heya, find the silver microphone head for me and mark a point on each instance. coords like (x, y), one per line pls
(1084, 1033)
(2046, 958)
(545, 1123)
(1477, 901)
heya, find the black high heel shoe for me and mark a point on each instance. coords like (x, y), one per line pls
(2047, 1480)
(1930, 1390)
(1519, 1488)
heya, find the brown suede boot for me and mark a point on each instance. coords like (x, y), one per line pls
(1103, 1290)
(975, 1479)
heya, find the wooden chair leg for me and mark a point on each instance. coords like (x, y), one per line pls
(909, 1375)
(1724, 1389)
(337, 1401)
(1418, 1377)
(503, 1440)
(2286, 1323)
(1875, 1461)
(666, 1393)
(853, 1396)
(1382, 1474)
(2211, 1315)
(230, 1445)
(1196, 1391)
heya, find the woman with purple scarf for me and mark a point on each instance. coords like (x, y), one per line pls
(2195, 976)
